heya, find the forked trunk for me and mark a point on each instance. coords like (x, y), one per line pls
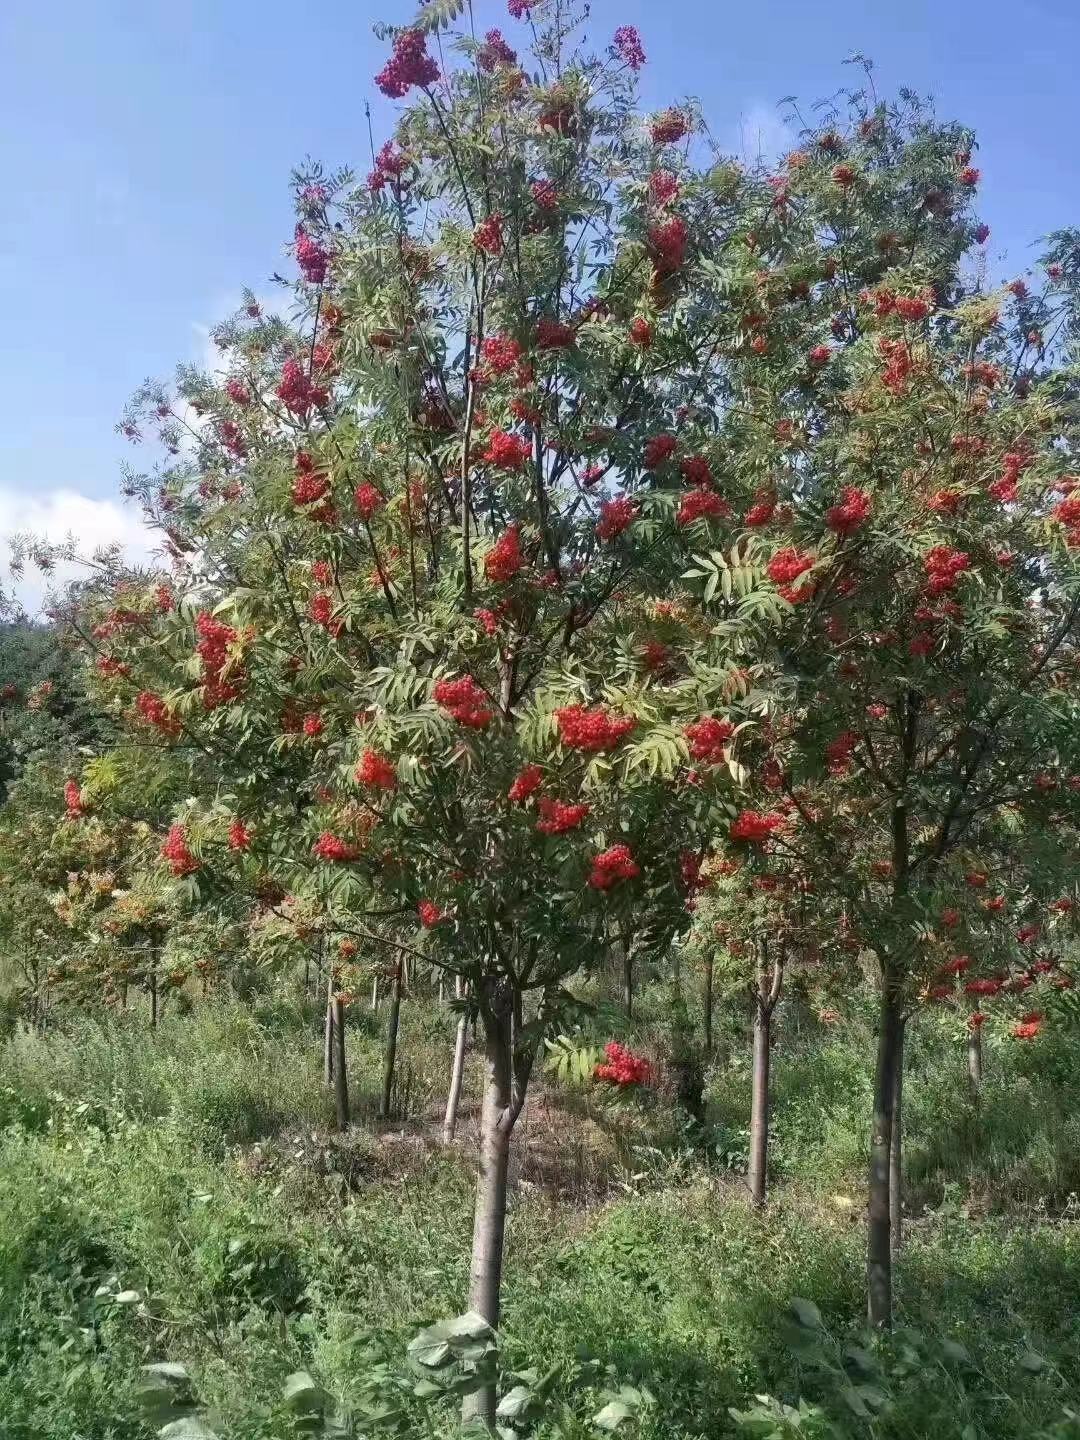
(341, 1074)
(457, 1072)
(879, 1230)
(391, 1045)
(896, 1149)
(489, 1219)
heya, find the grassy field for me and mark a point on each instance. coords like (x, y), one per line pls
(180, 1196)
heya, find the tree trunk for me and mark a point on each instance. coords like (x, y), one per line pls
(328, 1033)
(153, 986)
(375, 995)
(489, 1217)
(759, 1099)
(457, 1072)
(628, 981)
(391, 1045)
(708, 997)
(879, 1237)
(341, 1074)
(896, 1149)
(975, 1057)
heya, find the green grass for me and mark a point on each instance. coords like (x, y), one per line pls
(194, 1173)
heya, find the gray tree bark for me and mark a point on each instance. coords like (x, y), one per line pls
(896, 1149)
(341, 1074)
(766, 993)
(489, 1219)
(390, 1057)
(879, 1228)
(457, 1071)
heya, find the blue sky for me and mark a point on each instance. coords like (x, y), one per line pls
(147, 146)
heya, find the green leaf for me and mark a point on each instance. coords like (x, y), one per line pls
(953, 1350)
(514, 1403)
(612, 1415)
(190, 1428)
(164, 1390)
(806, 1313)
(303, 1395)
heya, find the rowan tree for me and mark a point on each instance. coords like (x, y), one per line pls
(425, 650)
(911, 430)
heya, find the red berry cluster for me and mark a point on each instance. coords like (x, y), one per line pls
(760, 513)
(852, 511)
(465, 701)
(696, 470)
(390, 164)
(488, 235)
(375, 771)
(409, 65)
(611, 866)
(73, 800)
(668, 127)
(527, 783)
(591, 730)
(640, 332)
(331, 847)
(914, 307)
(787, 565)
(754, 827)
(311, 257)
(232, 438)
(663, 187)
(944, 567)
(507, 451)
(154, 710)
(667, 245)
(495, 52)
(702, 504)
(627, 45)
(556, 817)
(296, 392)
(175, 851)
(838, 752)
(500, 354)
(545, 195)
(240, 836)
(553, 334)
(429, 913)
(659, 448)
(309, 486)
(238, 393)
(367, 499)
(708, 738)
(212, 647)
(622, 1066)
(616, 515)
(504, 559)
(321, 609)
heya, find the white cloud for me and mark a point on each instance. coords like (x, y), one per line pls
(62, 514)
(760, 134)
